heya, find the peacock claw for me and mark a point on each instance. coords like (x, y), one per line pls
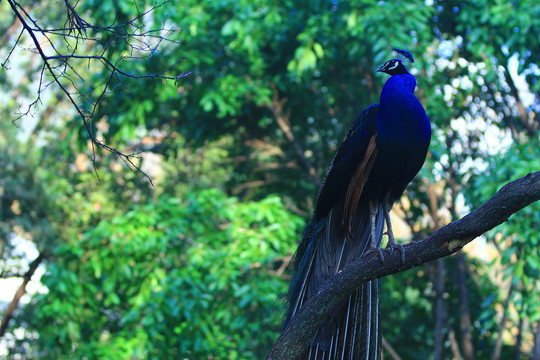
(391, 247)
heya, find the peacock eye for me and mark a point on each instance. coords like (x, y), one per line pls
(393, 64)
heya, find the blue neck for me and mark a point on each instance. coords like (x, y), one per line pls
(401, 84)
(401, 117)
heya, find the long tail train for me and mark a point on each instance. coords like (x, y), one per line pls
(353, 327)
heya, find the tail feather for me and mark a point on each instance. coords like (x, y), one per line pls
(352, 330)
(370, 345)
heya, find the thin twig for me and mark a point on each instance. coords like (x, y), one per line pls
(142, 44)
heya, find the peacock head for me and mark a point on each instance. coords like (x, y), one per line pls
(395, 66)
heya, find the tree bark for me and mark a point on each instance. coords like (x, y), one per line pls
(10, 311)
(449, 239)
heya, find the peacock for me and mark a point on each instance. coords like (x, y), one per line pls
(382, 152)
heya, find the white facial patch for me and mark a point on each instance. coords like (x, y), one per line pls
(395, 65)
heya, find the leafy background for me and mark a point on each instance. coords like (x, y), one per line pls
(195, 267)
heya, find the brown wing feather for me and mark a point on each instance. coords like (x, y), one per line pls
(356, 185)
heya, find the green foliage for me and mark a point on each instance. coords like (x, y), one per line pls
(188, 278)
(188, 269)
(24, 204)
(519, 237)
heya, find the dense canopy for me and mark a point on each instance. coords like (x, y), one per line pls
(195, 265)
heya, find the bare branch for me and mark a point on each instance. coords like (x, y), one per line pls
(393, 354)
(8, 314)
(282, 117)
(10, 274)
(58, 65)
(447, 240)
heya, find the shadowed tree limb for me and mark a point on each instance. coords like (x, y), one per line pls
(449, 239)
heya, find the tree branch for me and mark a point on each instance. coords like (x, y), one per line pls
(447, 240)
(393, 354)
(283, 120)
(58, 64)
(10, 311)
(529, 126)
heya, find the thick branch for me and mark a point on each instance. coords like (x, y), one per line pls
(445, 241)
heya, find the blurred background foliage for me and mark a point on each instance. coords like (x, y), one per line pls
(195, 266)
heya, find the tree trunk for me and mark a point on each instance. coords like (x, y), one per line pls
(536, 351)
(465, 315)
(498, 344)
(519, 338)
(440, 313)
